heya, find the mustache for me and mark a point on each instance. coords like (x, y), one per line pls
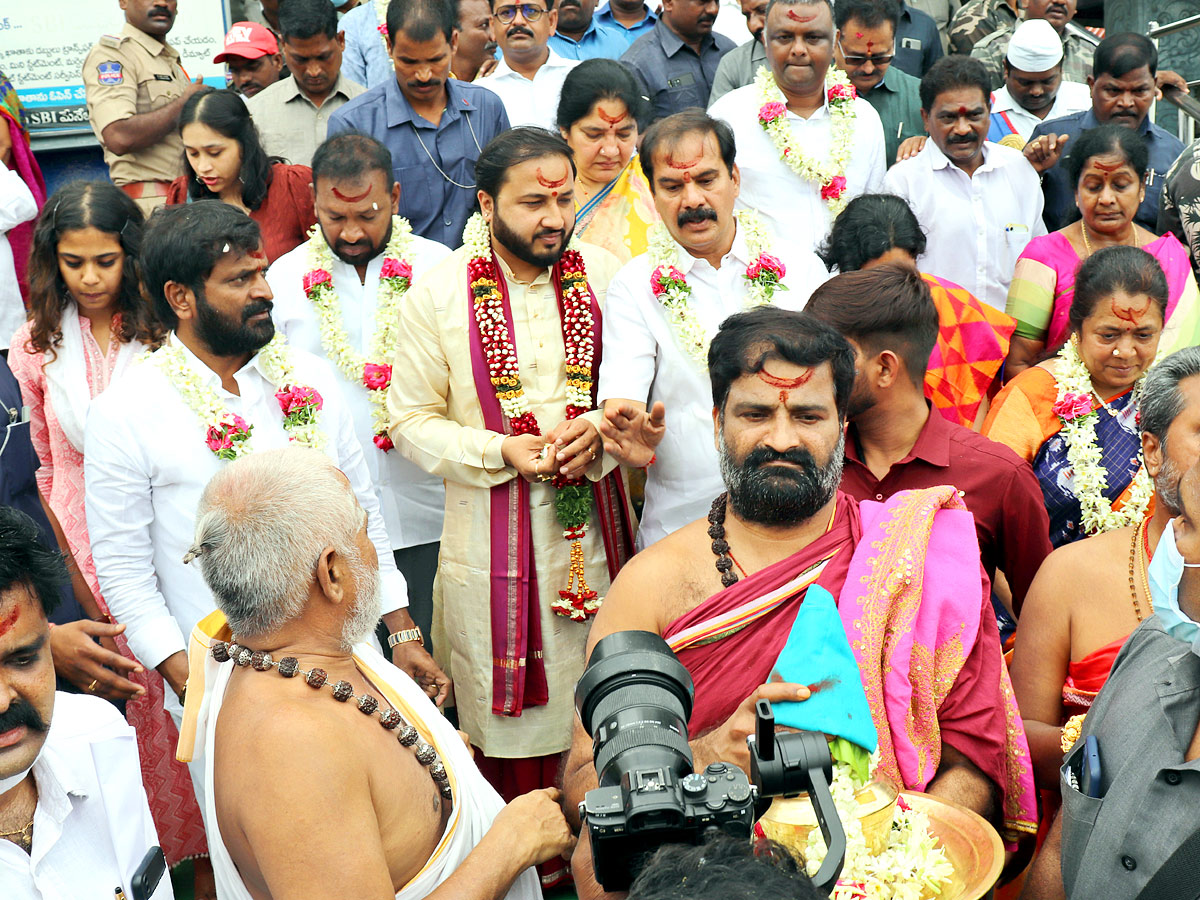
(550, 232)
(518, 29)
(159, 11)
(706, 20)
(697, 214)
(962, 139)
(1056, 6)
(432, 82)
(762, 456)
(21, 712)
(254, 307)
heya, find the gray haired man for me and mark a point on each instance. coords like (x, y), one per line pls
(391, 801)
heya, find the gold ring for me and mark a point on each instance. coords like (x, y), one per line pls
(91, 688)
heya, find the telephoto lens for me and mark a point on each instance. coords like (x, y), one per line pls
(635, 699)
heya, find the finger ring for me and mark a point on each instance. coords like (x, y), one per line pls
(91, 688)
(592, 451)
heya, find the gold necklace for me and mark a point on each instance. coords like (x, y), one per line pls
(1138, 561)
(22, 837)
(1087, 245)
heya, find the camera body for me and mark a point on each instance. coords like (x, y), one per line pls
(654, 806)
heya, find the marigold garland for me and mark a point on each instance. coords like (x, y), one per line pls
(395, 277)
(1079, 415)
(573, 500)
(830, 175)
(228, 435)
(764, 276)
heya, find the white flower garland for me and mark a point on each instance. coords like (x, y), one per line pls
(912, 865)
(1083, 451)
(389, 295)
(674, 293)
(276, 365)
(829, 176)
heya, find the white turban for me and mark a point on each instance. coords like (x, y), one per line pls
(1035, 46)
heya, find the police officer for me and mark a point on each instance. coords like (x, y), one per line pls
(135, 90)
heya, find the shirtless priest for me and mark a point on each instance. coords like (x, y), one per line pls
(916, 608)
(372, 797)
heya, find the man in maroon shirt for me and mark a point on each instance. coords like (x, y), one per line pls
(895, 442)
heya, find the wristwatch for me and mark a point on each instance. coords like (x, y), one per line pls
(405, 636)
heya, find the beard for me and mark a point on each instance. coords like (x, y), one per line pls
(340, 248)
(224, 338)
(1166, 484)
(368, 604)
(523, 249)
(779, 495)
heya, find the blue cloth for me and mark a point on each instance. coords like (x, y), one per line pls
(598, 42)
(1165, 572)
(918, 44)
(365, 61)
(818, 654)
(1060, 209)
(673, 74)
(437, 209)
(1119, 439)
(605, 17)
(18, 481)
(999, 128)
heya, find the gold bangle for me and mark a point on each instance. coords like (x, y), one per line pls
(1071, 731)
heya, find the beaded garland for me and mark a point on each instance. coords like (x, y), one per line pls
(389, 718)
(573, 500)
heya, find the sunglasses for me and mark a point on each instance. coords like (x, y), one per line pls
(855, 62)
(529, 12)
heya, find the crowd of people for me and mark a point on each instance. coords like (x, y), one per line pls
(452, 337)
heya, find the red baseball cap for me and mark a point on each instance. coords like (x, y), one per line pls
(249, 40)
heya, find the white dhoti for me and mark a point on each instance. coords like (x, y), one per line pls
(475, 802)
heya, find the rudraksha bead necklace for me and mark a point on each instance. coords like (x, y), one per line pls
(389, 718)
(716, 530)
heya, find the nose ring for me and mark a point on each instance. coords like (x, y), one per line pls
(1116, 352)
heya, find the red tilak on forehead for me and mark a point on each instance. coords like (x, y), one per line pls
(796, 17)
(1106, 168)
(870, 44)
(858, 35)
(547, 183)
(611, 120)
(785, 384)
(1131, 313)
(351, 199)
(962, 111)
(10, 620)
(684, 166)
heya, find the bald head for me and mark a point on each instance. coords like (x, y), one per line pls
(263, 522)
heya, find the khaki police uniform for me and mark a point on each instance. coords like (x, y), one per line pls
(125, 75)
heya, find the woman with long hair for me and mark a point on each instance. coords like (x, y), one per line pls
(88, 324)
(224, 160)
(599, 111)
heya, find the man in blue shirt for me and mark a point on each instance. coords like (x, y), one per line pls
(365, 58)
(629, 18)
(918, 44)
(580, 36)
(434, 126)
(1122, 91)
(678, 60)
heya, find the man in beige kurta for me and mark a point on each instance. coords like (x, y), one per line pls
(438, 422)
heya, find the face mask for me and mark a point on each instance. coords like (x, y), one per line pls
(1166, 569)
(7, 784)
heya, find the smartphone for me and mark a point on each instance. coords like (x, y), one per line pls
(148, 874)
(1089, 780)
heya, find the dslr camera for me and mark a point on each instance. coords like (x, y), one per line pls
(635, 699)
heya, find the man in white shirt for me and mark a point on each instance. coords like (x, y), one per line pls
(655, 361)
(979, 202)
(841, 137)
(1034, 90)
(350, 320)
(74, 821)
(162, 433)
(530, 76)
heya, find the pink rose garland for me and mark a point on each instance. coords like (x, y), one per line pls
(1072, 406)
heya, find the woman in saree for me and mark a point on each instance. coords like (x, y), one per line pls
(1073, 417)
(16, 154)
(598, 115)
(1107, 165)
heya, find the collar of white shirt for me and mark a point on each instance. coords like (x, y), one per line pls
(504, 70)
(684, 261)
(207, 375)
(939, 160)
